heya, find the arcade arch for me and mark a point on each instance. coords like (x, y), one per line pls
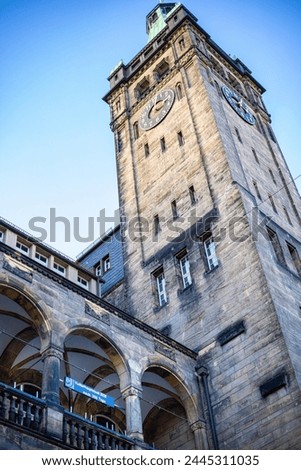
(165, 410)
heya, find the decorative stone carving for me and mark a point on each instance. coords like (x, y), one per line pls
(97, 313)
(16, 268)
(165, 350)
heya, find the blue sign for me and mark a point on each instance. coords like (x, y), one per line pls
(89, 392)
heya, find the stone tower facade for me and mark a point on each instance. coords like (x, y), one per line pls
(210, 220)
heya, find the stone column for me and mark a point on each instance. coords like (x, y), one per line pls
(51, 375)
(132, 396)
(54, 413)
(203, 375)
(200, 435)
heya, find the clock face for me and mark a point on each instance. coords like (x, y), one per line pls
(238, 104)
(156, 109)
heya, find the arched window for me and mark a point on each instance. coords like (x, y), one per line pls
(29, 388)
(179, 91)
(107, 423)
(136, 130)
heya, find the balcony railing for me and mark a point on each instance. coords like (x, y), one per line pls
(80, 433)
(21, 408)
(29, 413)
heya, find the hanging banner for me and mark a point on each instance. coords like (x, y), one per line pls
(89, 392)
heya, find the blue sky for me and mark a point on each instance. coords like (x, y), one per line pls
(56, 147)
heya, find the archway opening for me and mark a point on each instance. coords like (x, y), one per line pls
(92, 362)
(165, 423)
(20, 359)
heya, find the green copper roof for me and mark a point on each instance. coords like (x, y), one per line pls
(156, 18)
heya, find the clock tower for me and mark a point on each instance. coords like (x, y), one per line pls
(210, 220)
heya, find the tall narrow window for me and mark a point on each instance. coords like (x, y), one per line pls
(98, 270)
(146, 150)
(273, 203)
(192, 195)
(295, 257)
(119, 141)
(106, 263)
(272, 176)
(174, 210)
(238, 135)
(118, 105)
(179, 91)
(287, 215)
(257, 190)
(255, 155)
(160, 287)
(163, 144)
(211, 258)
(181, 139)
(136, 130)
(1, 236)
(276, 245)
(156, 224)
(185, 269)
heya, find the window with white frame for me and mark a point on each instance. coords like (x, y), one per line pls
(106, 263)
(41, 258)
(83, 282)
(98, 270)
(1, 236)
(161, 287)
(59, 268)
(211, 258)
(22, 247)
(185, 270)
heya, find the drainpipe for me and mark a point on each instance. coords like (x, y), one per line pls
(203, 374)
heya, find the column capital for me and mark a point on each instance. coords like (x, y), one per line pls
(52, 351)
(201, 370)
(131, 390)
(197, 425)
